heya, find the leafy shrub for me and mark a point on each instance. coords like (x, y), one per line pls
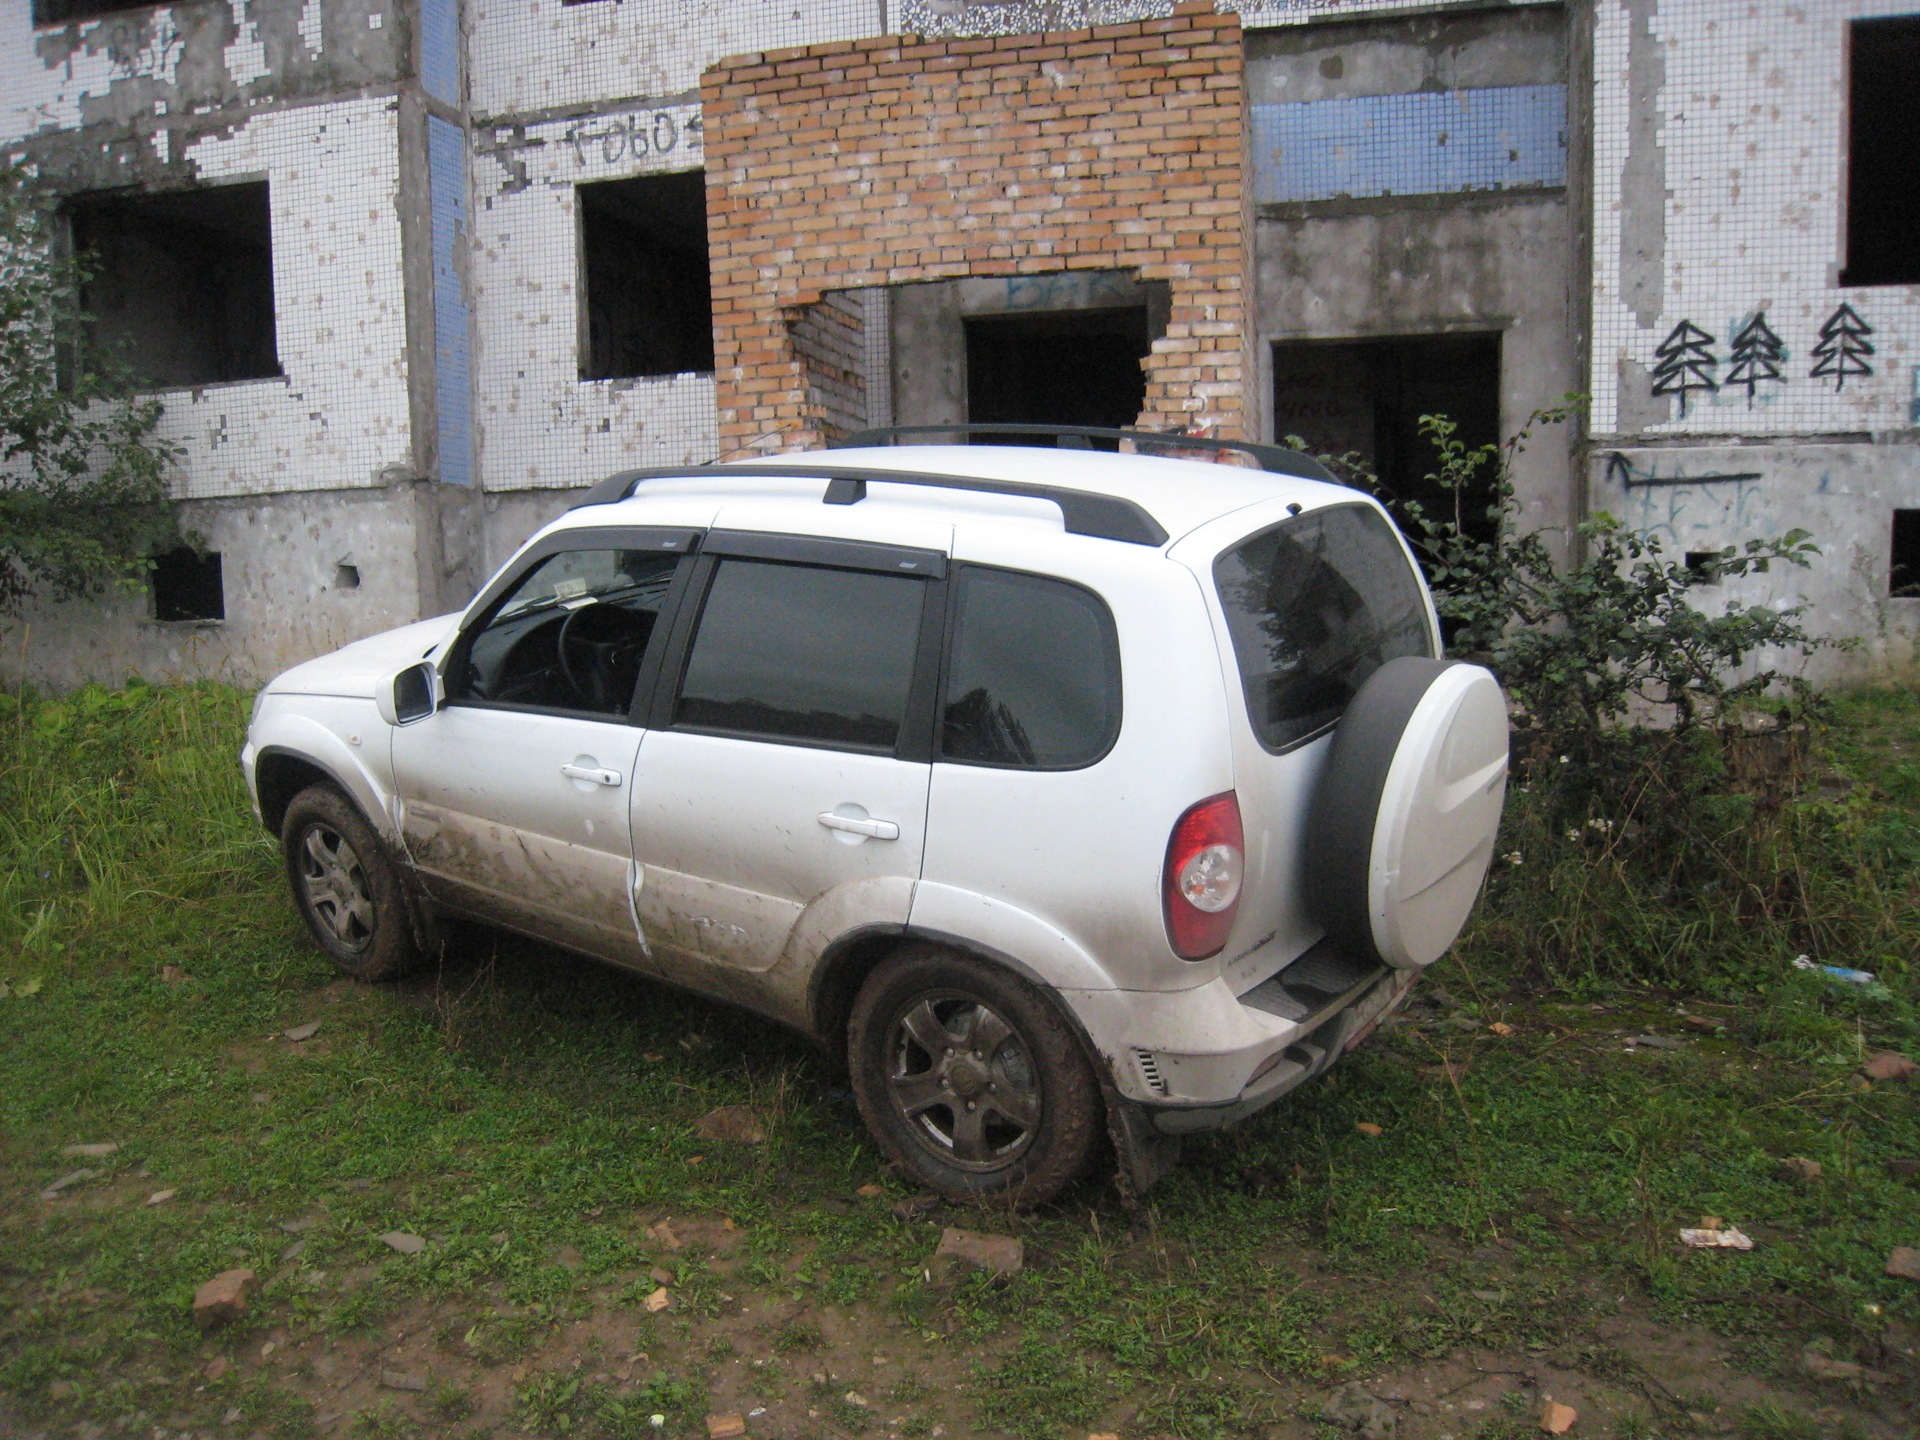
(1667, 819)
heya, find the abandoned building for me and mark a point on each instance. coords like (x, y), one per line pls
(407, 273)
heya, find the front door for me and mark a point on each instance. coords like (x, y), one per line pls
(515, 793)
(781, 794)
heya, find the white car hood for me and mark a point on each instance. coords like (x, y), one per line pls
(355, 669)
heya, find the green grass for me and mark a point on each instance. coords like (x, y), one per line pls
(531, 1116)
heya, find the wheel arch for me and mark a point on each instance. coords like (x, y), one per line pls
(846, 963)
(297, 751)
(282, 774)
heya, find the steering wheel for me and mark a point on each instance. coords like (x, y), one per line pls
(600, 647)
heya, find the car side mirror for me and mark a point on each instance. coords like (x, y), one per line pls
(407, 696)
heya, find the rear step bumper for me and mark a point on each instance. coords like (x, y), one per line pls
(1323, 1003)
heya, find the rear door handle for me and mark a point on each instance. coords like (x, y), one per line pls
(609, 778)
(872, 829)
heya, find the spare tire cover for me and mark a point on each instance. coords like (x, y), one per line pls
(1407, 812)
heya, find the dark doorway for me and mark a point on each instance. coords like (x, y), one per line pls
(647, 294)
(1366, 397)
(1074, 367)
(181, 290)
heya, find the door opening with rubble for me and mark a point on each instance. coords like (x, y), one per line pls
(1367, 397)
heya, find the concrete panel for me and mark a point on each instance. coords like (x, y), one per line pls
(1707, 497)
(279, 557)
(1496, 265)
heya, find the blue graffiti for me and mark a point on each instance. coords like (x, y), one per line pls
(1677, 508)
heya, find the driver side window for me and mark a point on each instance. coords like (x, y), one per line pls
(570, 636)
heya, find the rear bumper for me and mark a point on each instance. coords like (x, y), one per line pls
(1320, 1043)
(1203, 1058)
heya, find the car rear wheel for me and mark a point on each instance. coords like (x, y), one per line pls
(970, 1080)
(345, 886)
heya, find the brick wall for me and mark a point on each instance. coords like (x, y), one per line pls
(894, 160)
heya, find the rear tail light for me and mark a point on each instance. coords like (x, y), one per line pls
(1200, 887)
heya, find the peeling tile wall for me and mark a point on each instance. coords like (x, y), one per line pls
(338, 417)
(528, 56)
(1721, 201)
(540, 423)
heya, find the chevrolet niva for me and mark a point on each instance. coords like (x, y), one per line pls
(1073, 798)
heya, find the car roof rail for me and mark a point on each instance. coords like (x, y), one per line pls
(1083, 512)
(1276, 459)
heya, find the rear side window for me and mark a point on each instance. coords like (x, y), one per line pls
(1033, 678)
(1315, 606)
(801, 653)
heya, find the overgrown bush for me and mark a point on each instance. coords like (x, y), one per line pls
(1675, 814)
(83, 488)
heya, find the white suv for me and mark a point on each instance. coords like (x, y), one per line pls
(1075, 798)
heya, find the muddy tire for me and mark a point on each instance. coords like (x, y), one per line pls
(970, 1080)
(345, 885)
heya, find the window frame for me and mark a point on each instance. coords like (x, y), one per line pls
(1109, 634)
(1436, 649)
(915, 741)
(683, 543)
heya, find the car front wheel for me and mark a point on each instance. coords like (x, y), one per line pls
(344, 886)
(970, 1080)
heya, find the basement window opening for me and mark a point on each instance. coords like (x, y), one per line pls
(61, 12)
(1068, 367)
(1703, 566)
(1903, 576)
(188, 586)
(181, 291)
(1883, 147)
(647, 297)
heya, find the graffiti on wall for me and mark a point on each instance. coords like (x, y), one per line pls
(1679, 508)
(1685, 362)
(1843, 346)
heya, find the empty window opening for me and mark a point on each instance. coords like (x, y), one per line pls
(188, 586)
(182, 285)
(1903, 578)
(346, 577)
(1883, 147)
(1366, 397)
(647, 292)
(59, 12)
(1703, 566)
(1072, 367)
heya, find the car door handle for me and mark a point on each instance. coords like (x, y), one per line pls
(872, 829)
(609, 778)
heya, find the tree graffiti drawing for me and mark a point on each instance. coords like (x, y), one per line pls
(1684, 359)
(1842, 345)
(1755, 356)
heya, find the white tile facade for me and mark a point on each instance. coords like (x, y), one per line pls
(529, 56)
(540, 424)
(337, 418)
(1750, 124)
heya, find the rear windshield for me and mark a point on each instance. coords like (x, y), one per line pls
(1315, 606)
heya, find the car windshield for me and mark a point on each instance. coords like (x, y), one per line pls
(1315, 606)
(574, 577)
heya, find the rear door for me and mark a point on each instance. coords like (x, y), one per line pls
(1310, 606)
(781, 794)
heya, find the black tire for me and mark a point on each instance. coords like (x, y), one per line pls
(345, 885)
(1014, 1122)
